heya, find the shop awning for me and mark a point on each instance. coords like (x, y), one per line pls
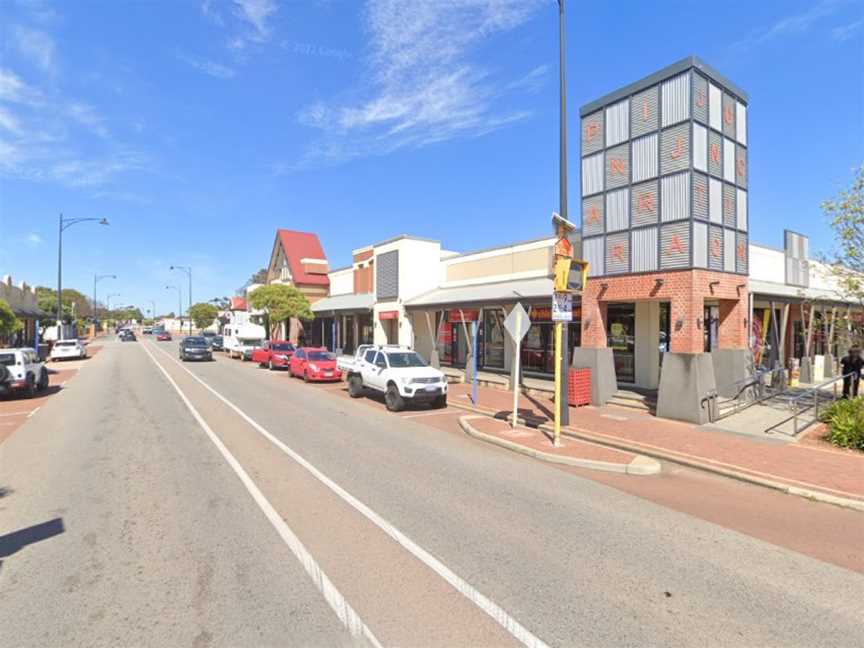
(30, 313)
(504, 292)
(770, 290)
(344, 305)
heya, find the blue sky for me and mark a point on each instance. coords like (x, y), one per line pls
(198, 127)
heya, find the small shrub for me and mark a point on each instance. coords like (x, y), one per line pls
(845, 420)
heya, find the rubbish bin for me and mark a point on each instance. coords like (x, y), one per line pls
(579, 392)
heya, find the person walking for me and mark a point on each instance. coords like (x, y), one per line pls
(851, 365)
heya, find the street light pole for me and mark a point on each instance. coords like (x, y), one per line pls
(563, 391)
(108, 303)
(188, 271)
(62, 225)
(96, 279)
(179, 303)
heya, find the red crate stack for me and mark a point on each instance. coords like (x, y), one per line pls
(579, 392)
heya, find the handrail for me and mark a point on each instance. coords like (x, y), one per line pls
(813, 391)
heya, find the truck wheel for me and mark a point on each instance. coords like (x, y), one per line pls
(440, 402)
(42, 385)
(393, 399)
(355, 386)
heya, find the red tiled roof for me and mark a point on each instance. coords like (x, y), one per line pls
(302, 245)
(238, 303)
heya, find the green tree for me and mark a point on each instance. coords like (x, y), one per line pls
(203, 314)
(9, 324)
(279, 303)
(74, 302)
(846, 214)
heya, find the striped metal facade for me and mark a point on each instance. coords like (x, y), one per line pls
(593, 215)
(387, 275)
(645, 249)
(700, 147)
(675, 197)
(644, 112)
(700, 196)
(618, 210)
(742, 254)
(593, 133)
(715, 154)
(700, 98)
(592, 251)
(741, 166)
(715, 201)
(592, 174)
(675, 246)
(617, 166)
(644, 204)
(729, 116)
(797, 248)
(675, 99)
(700, 245)
(728, 250)
(618, 253)
(741, 210)
(618, 123)
(730, 215)
(715, 107)
(645, 158)
(715, 248)
(675, 149)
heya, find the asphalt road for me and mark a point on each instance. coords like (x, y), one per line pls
(219, 504)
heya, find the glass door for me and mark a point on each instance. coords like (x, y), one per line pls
(621, 337)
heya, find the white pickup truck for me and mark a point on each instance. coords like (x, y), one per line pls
(400, 374)
(345, 363)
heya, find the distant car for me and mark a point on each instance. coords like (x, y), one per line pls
(22, 372)
(164, 336)
(314, 364)
(275, 354)
(217, 343)
(147, 330)
(195, 348)
(208, 334)
(127, 336)
(67, 349)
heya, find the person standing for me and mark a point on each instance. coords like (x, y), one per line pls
(851, 365)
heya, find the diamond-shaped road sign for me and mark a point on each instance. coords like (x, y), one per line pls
(517, 323)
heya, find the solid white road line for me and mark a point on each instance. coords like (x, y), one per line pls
(517, 630)
(34, 411)
(349, 618)
(19, 413)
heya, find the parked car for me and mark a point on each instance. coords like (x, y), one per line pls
(217, 343)
(147, 330)
(66, 349)
(313, 363)
(346, 363)
(275, 354)
(401, 375)
(164, 336)
(127, 335)
(195, 348)
(21, 372)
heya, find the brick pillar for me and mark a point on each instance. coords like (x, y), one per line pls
(733, 323)
(593, 317)
(686, 309)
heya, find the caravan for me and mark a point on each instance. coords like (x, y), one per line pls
(240, 340)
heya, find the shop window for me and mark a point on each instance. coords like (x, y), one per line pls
(493, 338)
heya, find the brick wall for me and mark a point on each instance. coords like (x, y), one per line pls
(686, 290)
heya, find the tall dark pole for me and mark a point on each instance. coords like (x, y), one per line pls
(563, 395)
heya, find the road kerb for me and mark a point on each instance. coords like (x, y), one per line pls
(638, 466)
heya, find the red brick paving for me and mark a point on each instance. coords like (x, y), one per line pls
(812, 464)
(15, 411)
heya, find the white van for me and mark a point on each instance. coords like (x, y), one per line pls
(241, 339)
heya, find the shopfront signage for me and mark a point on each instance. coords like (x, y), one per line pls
(462, 315)
(388, 315)
(562, 307)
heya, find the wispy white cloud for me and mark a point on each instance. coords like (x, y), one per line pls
(845, 32)
(792, 24)
(257, 13)
(14, 90)
(249, 21)
(34, 239)
(9, 122)
(35, 46)
(426, 87)
(87, 116)
(211, 68)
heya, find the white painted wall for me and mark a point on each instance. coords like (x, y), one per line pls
(767, 264)
(342, 281)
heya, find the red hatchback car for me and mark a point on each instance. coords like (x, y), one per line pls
(313, 363)
(163, 337)
(274, 355)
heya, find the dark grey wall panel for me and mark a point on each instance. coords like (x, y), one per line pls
(715, 248)
(742, 254)
(593, 215)
(741, 166)
(700, 98)
(618, 166)
(645, 112)
(387, 275)
(618, 253)
(675, 245)
(675, 149)
(644, 205)
(715, 154)
(700, 196)
(729, 116)
(593, 133)
(730, 215)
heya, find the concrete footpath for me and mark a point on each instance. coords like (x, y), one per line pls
(808, 468)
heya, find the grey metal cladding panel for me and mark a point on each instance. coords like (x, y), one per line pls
(700, 98)
(675, 99)
(742, 253)
(593, 215)
(617, 210)
(675, 197)
(645, 112)
(741, 166)
(728, 160)
(593, 133)
(592, 250)
(675, 149)
(387, 275)
(715, 154)
(618, 253)
(644, 204)
(730, 215)
(741, 122)
(797, 266)
(618, 123)
(644, 251)
(715, 200)
(592, 174)
(741, 208)
(715, 248)
(728, 251)
(675, 245)
(700, 147)
(729, 116)
(644, 158)
(700, 245)
(700, 196)
(618, 166)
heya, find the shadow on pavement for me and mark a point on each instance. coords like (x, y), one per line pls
(17, 540)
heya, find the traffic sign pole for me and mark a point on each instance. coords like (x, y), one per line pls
(559, 326)
(516, 373)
